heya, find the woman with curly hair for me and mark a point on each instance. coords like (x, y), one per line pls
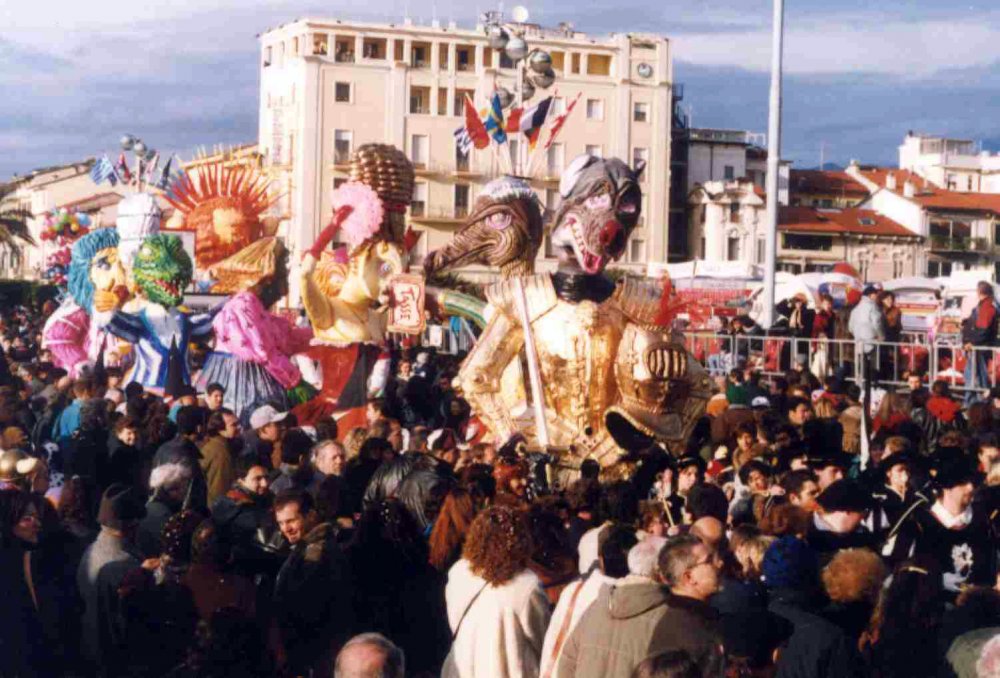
(497, 609)
(853, 580)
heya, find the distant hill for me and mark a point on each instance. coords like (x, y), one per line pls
(827, 166)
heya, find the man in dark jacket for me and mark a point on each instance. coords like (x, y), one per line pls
(312, 598)
(182, 449)
(243, 516)
(638, 617)
(978, 330)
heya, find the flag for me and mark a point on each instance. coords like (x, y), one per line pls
(151, 167)
(560, 121)
(474, 126)
(168, 183)
(532, 120)
(123, 172)
(165, 175)
(494, 121)
(514, 120)
(103, 171)
(463, 141)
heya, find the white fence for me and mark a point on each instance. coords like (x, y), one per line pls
(971, 370)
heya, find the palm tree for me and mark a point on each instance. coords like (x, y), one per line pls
(14, 231)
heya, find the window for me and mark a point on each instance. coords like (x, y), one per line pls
(344, 53)
(442, 95)
(637, 251)
(640, 111)
(463, 58)
(397, 50)
(342, 92)
(506, 61)
(420, 100)
(640, 155)
(339, 181)
(734, 212)
(461, 160)
(575, 63)
(938, 268)
(733, 248)
(761, 251)
(802, 241)
(418, 207)
(701, 248)
(459, 102)
(267, 57)
(342, 142)
(461, 201)
(594, 150)
(295, 46)
(321, 43)
(443, 56)
(419, 148)
(598, 64)
(419, 54)
(555, 159)
(558, 61)
(595, 109)
(729, 173)
(550, 251)
(374, 48)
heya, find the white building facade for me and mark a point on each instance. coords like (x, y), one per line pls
(952, 164)
(329, 86)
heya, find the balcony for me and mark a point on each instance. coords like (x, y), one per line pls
(944, 243)
(448, 216)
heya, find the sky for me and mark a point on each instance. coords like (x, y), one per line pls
(74, 75)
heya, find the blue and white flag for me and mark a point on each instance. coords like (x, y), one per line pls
(103, 171)
(463, 141)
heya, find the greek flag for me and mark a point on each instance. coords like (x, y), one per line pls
(103, 171)
(463, 141)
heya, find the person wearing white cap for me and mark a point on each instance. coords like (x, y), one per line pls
(265, 430)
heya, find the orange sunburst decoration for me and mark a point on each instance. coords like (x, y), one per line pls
(222, 204)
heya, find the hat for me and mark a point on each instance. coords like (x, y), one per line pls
(845, 495)
(790, 563)
(691, 460)
(870, 289)
(821, 461)
(265, 415)
(886, 464)
(120, 505)
(951, 472)
(760, 402)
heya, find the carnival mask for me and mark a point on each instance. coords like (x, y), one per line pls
(162, 270)
(600, 209)
(108, 277)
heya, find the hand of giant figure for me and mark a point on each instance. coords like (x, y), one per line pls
(97, 287)
(160, 332)
(603, 348)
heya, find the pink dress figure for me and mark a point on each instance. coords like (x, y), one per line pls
(252, 356)
(66, 335)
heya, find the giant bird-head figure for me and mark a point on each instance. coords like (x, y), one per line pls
(504, 231)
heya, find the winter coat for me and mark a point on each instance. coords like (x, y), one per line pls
(866, 324)
(105, 563)
(217, 465)
(312, 602)
(817, 648)
(158, 512)
(125, 464)
(636, 618)
(574, 600)
(24, 651)
(245, 520)
(498, 630)
(980, 328)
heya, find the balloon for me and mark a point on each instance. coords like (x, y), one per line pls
(84, 219)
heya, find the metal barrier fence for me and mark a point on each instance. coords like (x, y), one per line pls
(970, 370)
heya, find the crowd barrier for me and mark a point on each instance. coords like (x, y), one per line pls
(968, 370)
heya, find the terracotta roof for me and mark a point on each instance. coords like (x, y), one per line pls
(94, 202)
(853, 221)
(825, 182)
(930, 196)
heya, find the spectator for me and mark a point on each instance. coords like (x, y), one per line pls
(218, 452)
(979, 331)
(370, 655)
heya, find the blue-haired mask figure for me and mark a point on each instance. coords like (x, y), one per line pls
(96, 275)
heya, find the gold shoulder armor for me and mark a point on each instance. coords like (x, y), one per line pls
(538, 289)
(639, 300)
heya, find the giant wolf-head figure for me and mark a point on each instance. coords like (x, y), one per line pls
(601, 202)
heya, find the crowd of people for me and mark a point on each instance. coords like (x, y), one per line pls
(144, 536)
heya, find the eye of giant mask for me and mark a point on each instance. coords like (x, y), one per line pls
(385, 269)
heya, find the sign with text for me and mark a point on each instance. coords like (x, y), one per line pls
(406, 310)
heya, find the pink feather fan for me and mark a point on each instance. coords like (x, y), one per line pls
(366, 215)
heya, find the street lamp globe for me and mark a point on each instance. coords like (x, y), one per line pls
(127, 142)
(516, 48)
(527, 90)
(540, 61)
(544, 80)
(140, 147)
(505, 96)
(497, 37)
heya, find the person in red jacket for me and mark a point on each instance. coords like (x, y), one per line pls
(979, 330)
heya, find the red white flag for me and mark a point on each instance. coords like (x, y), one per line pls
(475, 127)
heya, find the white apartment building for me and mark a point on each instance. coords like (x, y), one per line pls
(331, 85)
(952, 164)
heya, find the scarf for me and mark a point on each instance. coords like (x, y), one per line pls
(952, 522)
